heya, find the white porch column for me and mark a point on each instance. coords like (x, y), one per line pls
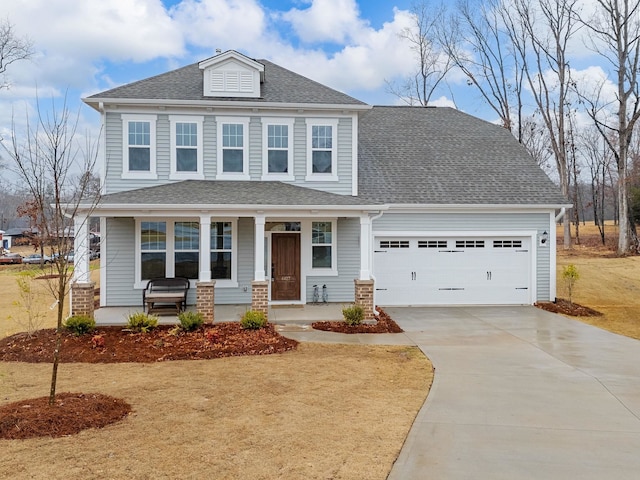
(205, 248)
(365, 247)
(259, 274)
(81, 249)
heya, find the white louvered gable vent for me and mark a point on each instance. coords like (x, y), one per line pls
(232, 75)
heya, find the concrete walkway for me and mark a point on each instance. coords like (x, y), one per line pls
(520, 393)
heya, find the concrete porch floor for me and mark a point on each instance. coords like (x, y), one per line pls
(278, 314)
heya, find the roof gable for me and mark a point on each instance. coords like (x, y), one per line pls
(231, 74)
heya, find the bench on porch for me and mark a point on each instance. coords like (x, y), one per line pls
(162, 294)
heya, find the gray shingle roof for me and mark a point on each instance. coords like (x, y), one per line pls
(221, 192)
(280, 86)
(416, 155)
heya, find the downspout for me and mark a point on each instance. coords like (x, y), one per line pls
(374, 218)
(562, 213)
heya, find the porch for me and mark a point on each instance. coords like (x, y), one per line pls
(278, 314)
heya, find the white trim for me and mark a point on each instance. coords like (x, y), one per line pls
(199, 173)
(126, 173)
(354, 155)
(322, 177)
(244, 121)
(269, 121)
(104, 252)
(240, 104)
(551, 245)
(233, 281)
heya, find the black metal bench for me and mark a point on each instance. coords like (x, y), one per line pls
(162, 294)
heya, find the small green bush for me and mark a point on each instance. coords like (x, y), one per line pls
(353, 314)
(571, 276)
(253, 320)
(190, 321)
(80, 324)
(141, 322)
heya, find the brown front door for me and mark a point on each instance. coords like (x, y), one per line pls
(285, 266)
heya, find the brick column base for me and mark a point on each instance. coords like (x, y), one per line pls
(260, 297)
(205, 300)
(82, 295)
(364, 297)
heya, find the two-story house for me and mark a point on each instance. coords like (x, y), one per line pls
(257, 183)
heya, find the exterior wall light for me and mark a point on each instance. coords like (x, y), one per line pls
(544, 238)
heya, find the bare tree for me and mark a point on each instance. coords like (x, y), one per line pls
(56, 171)
(598, 159)
(615, 35)
(477, 43)
(535, 138)
(433, 66)
(540, 33)
(12, 49)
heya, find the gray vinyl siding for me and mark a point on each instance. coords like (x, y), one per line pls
(255, 148)
(210, 145)
(163, 148)
(114, 153)
(341, 288)
(119, 263)
(430, 222)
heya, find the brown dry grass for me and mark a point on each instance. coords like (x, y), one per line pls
(607, 283)
(324, 411)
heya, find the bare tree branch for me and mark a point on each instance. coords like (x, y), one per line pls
(12, 49)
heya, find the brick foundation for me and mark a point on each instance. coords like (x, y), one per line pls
(205, 300)
(260, 297)
(364, 297)
(82, 299)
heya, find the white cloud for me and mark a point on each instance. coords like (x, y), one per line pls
(326, 21)
(119, 30)
(224, 24)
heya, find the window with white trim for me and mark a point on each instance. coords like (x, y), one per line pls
(153, 250)
(277, 149)
(186, 244)
(322, 150)
(139, 146)
(221, 250)
(322, 247)
(171, 248)
(233, 153)
(186, 147)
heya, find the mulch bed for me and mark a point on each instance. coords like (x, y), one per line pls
(385, 324)
(70, 414)
(115, 344)
(567, 308)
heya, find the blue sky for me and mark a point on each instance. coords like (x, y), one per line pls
(84, 47)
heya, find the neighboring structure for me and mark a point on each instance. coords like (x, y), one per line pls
(258, 183)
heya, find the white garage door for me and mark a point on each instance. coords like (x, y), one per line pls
(453, 271)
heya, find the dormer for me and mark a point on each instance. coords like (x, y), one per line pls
(231, 74)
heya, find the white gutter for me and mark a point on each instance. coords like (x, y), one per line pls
(249, 104)
(562, 213)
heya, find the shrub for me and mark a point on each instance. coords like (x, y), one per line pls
(141, 322)
(80, 324)
(253, 320)
(190, 321)
(571, 276)
(353, 314)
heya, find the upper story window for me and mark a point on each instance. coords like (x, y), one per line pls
(233, 161)
(322, 150)
(186, 147)
(277, 154)
(139, 146)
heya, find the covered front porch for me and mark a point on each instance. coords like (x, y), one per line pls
(286, 247)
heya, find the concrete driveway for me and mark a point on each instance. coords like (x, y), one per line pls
(520, 393)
